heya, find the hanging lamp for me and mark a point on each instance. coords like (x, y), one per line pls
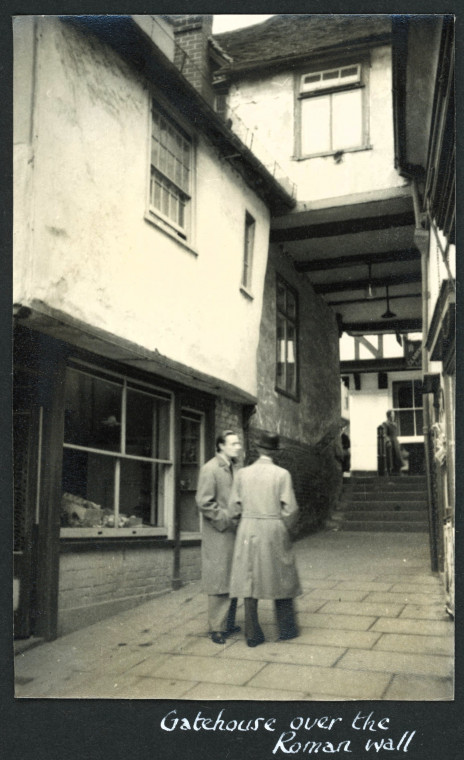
(369, 293)
(388, 314)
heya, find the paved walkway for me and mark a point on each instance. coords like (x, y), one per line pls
(372, 620)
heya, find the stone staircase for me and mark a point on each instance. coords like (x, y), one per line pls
(373, 503)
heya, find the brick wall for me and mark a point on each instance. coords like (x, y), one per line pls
(229, 416)
(96, 584)
(192, 33)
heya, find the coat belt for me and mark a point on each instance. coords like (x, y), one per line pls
(260, 516)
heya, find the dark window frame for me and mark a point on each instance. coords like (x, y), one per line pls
(293, 321)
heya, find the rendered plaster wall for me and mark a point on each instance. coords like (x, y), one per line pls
(310, 425)
(83, 243)
(268, 106)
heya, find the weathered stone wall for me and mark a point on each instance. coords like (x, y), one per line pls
(309, 426)
(229, 416)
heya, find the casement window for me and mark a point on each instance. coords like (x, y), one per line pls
(407, 405)
(286, 339)
(192, 425)
(171, 172)
(248, 247)
(117, 461)
(331, 111)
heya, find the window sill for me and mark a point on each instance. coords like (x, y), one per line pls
(332, 153)
(157, 222)
(246, 292)
(114, 533)
(291, 396)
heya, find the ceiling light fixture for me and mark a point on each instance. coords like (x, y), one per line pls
(388, 314)
(369, 293)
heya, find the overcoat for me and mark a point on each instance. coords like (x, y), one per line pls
(218, 532)
(264, 502)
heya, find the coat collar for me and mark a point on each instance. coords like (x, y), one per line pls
(222, 461)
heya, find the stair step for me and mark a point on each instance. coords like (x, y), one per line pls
(397, 505)
(389, 495)
(390, 527)
(384, 516)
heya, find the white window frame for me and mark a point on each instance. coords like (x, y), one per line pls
(248, 253)
(327, 82)
(166, 174)
(128, 383)
(398, 377)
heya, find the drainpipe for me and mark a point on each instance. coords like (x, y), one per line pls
(422, 241)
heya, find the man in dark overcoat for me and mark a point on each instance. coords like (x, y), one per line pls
(263, 501)
(218, 535)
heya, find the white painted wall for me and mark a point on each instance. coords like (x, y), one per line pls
(267, 106)
(367, 410)
(82, 242)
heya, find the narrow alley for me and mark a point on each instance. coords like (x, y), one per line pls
(372, 620)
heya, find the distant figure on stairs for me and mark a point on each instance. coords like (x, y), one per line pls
(346, 446)
(395, 460)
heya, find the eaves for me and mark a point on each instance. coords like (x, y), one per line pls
(234, 71)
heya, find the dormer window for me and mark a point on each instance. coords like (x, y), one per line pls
(331, 111)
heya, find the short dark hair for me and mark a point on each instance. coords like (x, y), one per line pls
(221, 438)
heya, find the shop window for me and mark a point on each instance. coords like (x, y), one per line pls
(287, 339)
(117, 465)
(248, 251)
(331, 111)
(407, 404)
(171, 170)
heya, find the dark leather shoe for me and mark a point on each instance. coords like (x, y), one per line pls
(231, 631)
(218, 637)
(255, 642)
(288, 636)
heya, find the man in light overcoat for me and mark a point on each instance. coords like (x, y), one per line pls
(218, 535)
(263, 501)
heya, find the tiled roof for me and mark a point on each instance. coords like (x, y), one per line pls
(294, 35)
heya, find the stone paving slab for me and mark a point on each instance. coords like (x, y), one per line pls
(321, 583)
(425, 627)
(395, 662)
(132, 687)
(361, 585)
(341, 595)
(425, 612)
(333, 681)
(336, 638)
(412, 577)
(390, 597)
(306, 604)
(348, 622)
(410, 588)
(362, 608)
(298, 653)
(205, 691)
(211, 669)
(397, 642)
(420, 688)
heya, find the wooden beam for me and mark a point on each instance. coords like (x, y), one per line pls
(347, 302)
(413, 324)
(317, 265)
(379, 282)
(343, 227)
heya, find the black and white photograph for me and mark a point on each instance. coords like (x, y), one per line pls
(234, 363)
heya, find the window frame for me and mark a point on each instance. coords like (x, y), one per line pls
(248, 253)
(302, 95)
(398, 409)
(184, 234)
(294, 395)
(127, 383)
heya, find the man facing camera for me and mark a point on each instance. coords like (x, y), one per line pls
(218, 535)
(264, 567)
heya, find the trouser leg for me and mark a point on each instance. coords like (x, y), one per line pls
(285, 615)
(253, 630)
(230, 622)
(218, 611)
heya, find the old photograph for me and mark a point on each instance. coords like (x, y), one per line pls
(234, 277)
